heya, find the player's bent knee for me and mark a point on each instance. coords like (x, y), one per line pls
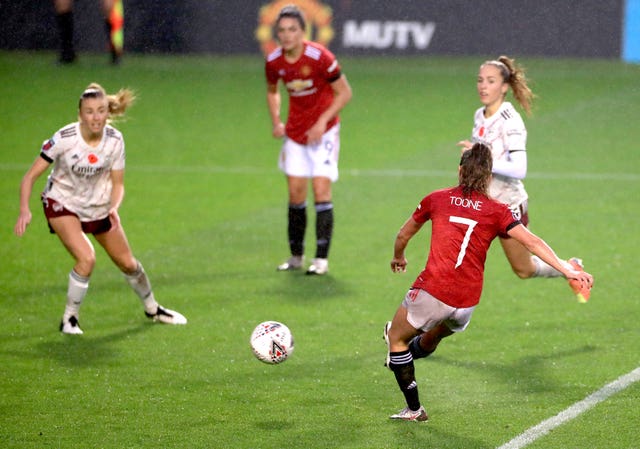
(85, 264)
(127, 266)
(523, 273)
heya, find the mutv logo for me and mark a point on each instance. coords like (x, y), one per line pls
(387, 34)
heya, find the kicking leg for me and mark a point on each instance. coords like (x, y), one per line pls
(116, 245)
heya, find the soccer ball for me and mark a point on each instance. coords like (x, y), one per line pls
(271, 342)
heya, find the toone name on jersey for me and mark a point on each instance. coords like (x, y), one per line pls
(466, 202)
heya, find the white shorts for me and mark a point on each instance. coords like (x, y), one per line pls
(425, 312)
(311, 161)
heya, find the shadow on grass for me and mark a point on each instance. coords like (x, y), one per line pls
(274, 425)
(430, 434)
(528, 373)
(297, 286)
(84, 350)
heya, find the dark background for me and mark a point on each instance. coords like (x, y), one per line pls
(562, 28)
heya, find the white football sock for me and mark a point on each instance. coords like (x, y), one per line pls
(544, 270)
(76, 291)
(141, 285)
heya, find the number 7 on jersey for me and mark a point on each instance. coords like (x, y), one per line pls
(467, 236)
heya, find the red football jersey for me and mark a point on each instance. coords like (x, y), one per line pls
(463, 228)
(308, 81)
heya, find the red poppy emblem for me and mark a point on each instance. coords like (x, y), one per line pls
(481, 131)
(92, 158)
(48, 144)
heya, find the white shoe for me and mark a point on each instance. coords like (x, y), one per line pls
(167, 316)
(292, 263)
(70, 326)
(409, 415)
(318, 266)
(385, 335)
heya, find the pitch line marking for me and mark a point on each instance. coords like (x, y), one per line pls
(533, 433)
(357, 172)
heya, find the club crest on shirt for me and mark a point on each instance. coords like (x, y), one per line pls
(299, 85)
(48, 145)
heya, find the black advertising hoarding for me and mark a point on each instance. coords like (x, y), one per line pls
(555, 28)
(588, 28)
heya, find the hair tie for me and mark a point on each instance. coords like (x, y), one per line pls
(91, 91)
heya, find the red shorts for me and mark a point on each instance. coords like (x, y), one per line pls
(53, 209)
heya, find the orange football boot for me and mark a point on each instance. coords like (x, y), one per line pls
(582, 291)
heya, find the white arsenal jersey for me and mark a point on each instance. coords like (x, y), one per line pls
(503, 132)
(80, 179)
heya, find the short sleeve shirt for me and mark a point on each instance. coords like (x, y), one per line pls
(308, 82)
(81, 176)
(463, 228)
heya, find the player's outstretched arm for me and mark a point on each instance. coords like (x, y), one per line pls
(541, 249)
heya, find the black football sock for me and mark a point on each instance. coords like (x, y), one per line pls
(324, 228)
(113, 49)
(417, 351)
(401, 363)
(297, 227)
(65, 30)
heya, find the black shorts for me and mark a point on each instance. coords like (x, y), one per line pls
(53, 209)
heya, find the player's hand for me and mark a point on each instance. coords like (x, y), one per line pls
(278, 131)
(399, 265)
(23, 221)
(464, 145)
(314, 135)
(115, 218)
(582, 276)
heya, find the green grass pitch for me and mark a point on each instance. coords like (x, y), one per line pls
(205, 212)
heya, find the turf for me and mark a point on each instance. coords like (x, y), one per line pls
(205, 212)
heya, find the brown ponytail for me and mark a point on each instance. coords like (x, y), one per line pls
(514, 75)
(475, 169)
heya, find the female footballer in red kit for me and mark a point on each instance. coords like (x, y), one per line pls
(440, 302)
(318, 91)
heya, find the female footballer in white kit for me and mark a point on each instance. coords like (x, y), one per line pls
(82, 196)
(499, 125)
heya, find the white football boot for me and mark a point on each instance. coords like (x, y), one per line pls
(70, 326)
(318, 266)
(410, 415)
(292, 263)
(167, 316)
